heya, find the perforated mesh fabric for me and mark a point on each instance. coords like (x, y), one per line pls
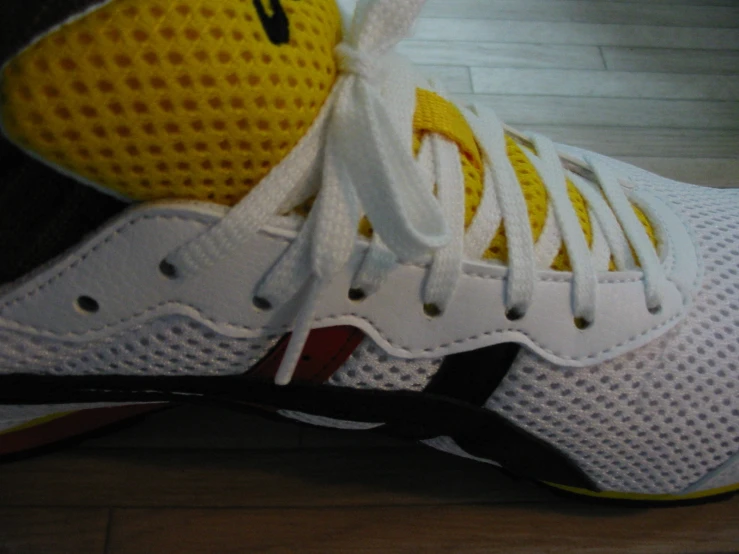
(657, 419)
(171, 346)
(436, 115)
(369, 367)
(192, 99)
(173, 98)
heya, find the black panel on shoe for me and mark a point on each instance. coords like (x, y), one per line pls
(43, 213)
(473, 376)
(512, 447)
(470, 377)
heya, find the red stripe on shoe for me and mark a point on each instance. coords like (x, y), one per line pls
(324, 353)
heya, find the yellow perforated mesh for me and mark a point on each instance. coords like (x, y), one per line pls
(173, 98)
(536, 197)
(192, 99)
(434, 114)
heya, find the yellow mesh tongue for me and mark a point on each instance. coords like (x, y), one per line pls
(200, 99)
(436, 115)
(174, 98)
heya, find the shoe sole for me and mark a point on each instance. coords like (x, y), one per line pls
(46, 433)
(649, 500)
(431, 415)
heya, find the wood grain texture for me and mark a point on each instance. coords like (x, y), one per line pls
(672, 60)
(604, 84)
(455, 29)
(632, 112)
(502, 55)
(589, 11)
(457, 79)
(484, 528)
(300, 478)
(56, 531)
(663, 142)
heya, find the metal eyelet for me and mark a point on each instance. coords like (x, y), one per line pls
(432, 310)
(357, 295)
(514, 314)
(582, 323)
(261, 304)
(168, 270)
(87, 305)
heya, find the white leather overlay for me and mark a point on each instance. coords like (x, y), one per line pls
(119, 268)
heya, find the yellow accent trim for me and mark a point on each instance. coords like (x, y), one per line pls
(435, 114)
(34, 423)
(647, 225)
(640, 497)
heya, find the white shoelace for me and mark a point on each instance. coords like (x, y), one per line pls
(360, 146)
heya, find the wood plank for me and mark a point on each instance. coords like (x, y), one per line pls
(587, 11)
(614, 84)
(684, 2)
(671, 60)
(521, 529)
(502, 55)
(584, 34)
(299, 478)
(56, 531)
(456, 79)
(560, 110)
(646, 141)
(722, 173)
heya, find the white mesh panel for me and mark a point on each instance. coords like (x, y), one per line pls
(173, 345)
(369, 367)
(658, 419)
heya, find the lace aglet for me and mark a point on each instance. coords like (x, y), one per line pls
(299, 337)
(290, 360)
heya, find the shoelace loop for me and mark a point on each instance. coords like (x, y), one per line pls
(353, 61)
(360, 146)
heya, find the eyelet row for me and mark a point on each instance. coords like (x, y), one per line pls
(88, 305)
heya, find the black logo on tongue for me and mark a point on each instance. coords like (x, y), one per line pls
(276, 25)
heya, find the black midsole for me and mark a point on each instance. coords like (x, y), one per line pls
(412, 414)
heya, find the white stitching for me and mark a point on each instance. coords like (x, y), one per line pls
(115, 232)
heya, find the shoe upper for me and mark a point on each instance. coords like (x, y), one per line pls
(616, 287)
(661, 416)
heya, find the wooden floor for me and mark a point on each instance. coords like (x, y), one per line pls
(654, 82)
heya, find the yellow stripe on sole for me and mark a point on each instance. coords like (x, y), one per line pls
(34, 423)
(641, 497)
